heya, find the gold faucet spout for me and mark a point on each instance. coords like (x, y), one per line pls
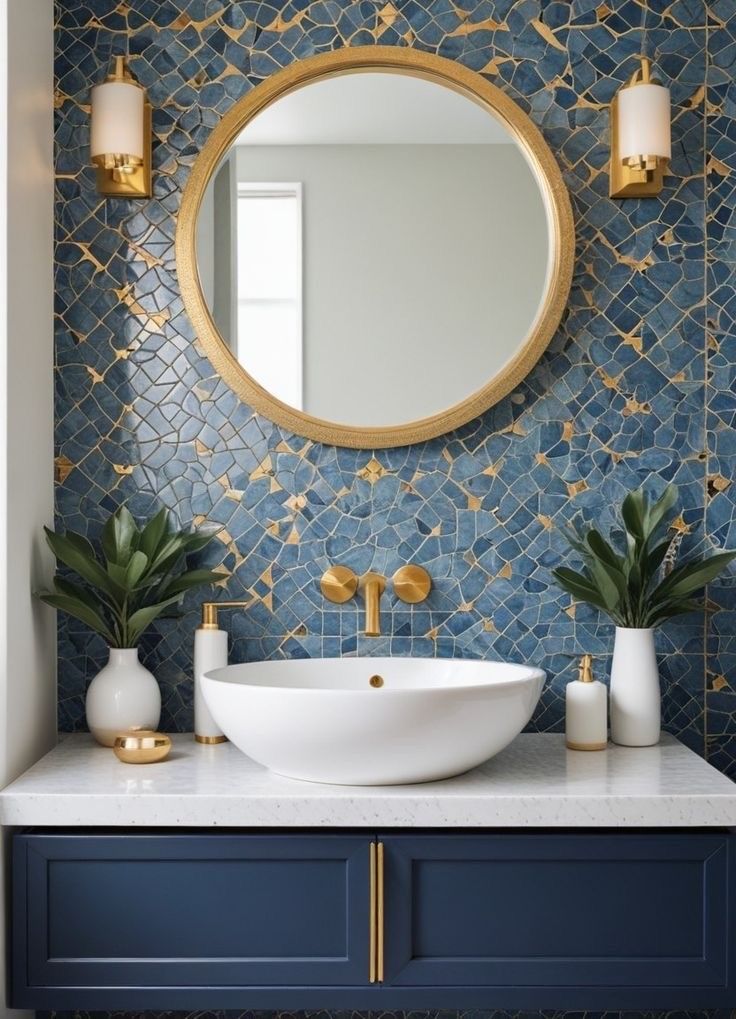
(372, 585)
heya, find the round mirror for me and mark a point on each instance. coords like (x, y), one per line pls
(369, 257)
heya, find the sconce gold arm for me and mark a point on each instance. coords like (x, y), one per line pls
(211, 608)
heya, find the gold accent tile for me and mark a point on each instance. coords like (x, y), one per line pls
(373, 471)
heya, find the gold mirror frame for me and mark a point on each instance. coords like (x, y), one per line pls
(460, 79)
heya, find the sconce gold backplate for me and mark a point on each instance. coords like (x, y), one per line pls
(137, 183)
(338, 584)
(412, 584)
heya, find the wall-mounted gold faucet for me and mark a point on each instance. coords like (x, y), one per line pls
(372, 586)
(339, 584)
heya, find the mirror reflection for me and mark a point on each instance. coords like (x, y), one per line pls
(374, 248)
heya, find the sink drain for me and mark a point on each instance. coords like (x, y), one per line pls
(376, 681)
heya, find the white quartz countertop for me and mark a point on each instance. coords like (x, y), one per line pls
(535, 782)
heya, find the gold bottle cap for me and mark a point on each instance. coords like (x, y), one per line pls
(586, 669)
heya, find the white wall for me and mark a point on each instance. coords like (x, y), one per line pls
(410, 251)
(27, 630)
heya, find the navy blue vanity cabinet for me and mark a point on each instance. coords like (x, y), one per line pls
(586, 920)
(109, 918)
(579, 920)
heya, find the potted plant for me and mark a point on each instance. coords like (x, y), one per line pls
(139, 574)
(638, 586)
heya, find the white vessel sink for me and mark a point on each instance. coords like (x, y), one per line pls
(331, 720)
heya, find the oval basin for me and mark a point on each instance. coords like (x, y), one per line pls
(372, 721)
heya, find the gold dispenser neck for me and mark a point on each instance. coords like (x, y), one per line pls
(642, 75)
(120, 72)
(210, 610)
(586, 669)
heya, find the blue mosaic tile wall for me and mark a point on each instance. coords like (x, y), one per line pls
(637, 386)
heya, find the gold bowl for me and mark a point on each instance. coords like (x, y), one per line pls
(143, 746)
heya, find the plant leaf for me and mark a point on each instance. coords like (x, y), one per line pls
(602, 550)
(579, 586)
(120, 537)
(72, 590)
(71, 553)
(135, 570)
(168, 553)
(198, 539)
(153, 533)
(633, 509)
(656, 557)
(83, 545)
(143, 617)
(109, 544)
(80, 610)
(607, 586)
(692, 576)
(191, 579)
(574, 539)
(656, 513)
(668, 609)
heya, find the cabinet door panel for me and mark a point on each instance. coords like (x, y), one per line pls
(193, 910)
(557, 910)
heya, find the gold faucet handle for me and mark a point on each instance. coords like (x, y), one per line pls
(338, 584)
(412, 584)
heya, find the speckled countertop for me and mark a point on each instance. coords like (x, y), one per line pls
(535, 782)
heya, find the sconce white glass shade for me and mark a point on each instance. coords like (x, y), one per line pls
(644, 122)
(117, 120)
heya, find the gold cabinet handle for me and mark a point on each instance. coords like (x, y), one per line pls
(379, 911)
(372, 914)
(376, 913)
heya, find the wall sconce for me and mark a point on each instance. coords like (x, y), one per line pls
(640, 136)
(120, 136)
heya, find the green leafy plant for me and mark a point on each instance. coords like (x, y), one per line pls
(139, 574)
(639, 586)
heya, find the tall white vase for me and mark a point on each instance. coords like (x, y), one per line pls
(635, 694)
(122, 696)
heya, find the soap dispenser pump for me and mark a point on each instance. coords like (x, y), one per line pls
(586, 710)
(210, 652)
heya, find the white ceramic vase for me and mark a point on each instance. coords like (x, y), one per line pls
(635, 695)
(122, 696)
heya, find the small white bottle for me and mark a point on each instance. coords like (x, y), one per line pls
(586, 711)
(210, 652)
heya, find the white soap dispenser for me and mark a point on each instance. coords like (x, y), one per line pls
(210, 652)
(586, 711)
